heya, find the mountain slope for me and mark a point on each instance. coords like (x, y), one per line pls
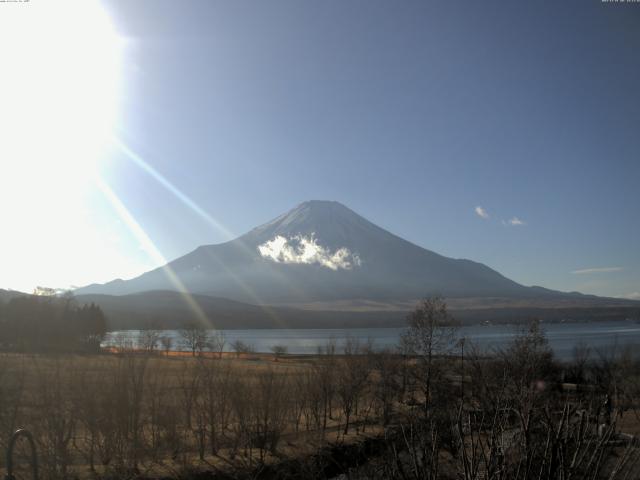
(322, 251)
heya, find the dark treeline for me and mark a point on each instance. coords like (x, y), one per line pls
(50, 324)
(169, 309)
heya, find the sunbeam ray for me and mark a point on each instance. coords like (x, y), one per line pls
(140, 162)
(148, 245)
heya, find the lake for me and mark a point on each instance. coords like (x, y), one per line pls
(563, 337)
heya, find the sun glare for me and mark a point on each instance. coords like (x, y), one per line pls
(59, 89)
(59, 97)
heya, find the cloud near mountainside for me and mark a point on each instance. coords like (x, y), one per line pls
(484, 214)
(481, 212)
(514, 222)
(586, 271)
(306, 250)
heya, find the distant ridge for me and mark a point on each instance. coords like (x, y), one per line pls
(6, 295)
(169, 310)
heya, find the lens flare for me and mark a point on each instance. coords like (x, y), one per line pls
(147, 244)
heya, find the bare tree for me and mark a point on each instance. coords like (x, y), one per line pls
(132, 371)
(194, 338)
(269, 411)
(353, 373)
(12, 391)
(431, 332)
(215, 381)
(148, 340)
(241, 347)
(122, 342)
(528, 368)
(167, 342)
(279, 351)
(57, 425)
(387, 382)
(218, 342)
(325, 375)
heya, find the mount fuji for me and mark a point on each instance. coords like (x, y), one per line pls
(322, 251)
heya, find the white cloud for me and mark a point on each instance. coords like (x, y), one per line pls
(515, 221)
(631, 296)
(481, 212)
(586, 271)
(305, 250)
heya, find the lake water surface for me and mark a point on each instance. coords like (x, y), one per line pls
(563, 337)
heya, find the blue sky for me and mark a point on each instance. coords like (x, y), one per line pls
(411, 113)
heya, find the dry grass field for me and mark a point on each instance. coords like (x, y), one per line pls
(164, 415)
(140, 415)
